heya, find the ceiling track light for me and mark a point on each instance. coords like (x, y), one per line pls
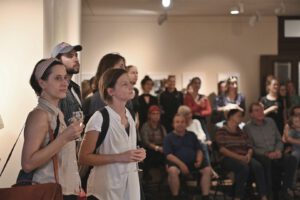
(234, 10)
(238, 9)
(254, 19)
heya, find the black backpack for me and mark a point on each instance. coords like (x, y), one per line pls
(85, 170)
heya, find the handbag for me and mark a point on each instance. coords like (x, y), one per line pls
(34, 191)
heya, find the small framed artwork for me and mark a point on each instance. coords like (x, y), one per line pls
(159, 80)
(283, 71)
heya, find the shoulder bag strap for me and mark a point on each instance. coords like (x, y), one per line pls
(53, 135)
(11, 151)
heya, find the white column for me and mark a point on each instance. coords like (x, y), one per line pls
(62, 23)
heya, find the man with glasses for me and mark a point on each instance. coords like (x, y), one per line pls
(67, 54)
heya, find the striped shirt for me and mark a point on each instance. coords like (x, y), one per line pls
(236, 142)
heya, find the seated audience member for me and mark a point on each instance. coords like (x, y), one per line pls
(231, 99)
(293, 136)
(145, 100)
(194, 126)
(237, 153)
(153, 134)
(267, 146)
(184, 156)
(295, 110)
(170, 100)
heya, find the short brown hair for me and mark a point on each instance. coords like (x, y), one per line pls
(254, 104)
(109, 80)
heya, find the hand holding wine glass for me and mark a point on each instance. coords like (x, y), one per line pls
(77, 117)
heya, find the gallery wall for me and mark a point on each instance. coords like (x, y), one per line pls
(184, 46)
(21, 47)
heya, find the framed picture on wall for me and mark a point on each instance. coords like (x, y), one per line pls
(159, 80)
(283, 71)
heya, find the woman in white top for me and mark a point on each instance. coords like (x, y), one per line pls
(49, 81)
(115, 172)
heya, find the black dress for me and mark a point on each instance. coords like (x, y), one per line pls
(144, 106)
(170, 101)
(277, 116)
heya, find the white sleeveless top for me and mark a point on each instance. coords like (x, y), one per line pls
(196, 127)
(67, 163)
(117, 181)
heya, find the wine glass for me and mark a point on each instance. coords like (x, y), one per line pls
(77, 116)
(133, 168)
(138, 169)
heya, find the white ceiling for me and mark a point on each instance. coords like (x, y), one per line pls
(188, 7)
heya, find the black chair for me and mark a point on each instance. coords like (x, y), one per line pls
(190, 186)
(223, 182)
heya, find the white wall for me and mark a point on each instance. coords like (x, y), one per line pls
(21, 47)
(206, 45)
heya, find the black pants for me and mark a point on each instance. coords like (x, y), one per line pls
(154, 159)
(278, 170)
(70, 197)
(241, 174)
(91, 198)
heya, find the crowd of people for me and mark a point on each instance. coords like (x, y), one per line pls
(123, 127)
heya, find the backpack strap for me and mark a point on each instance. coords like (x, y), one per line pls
(104, 128)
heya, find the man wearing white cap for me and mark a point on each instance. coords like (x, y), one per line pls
(67, 54)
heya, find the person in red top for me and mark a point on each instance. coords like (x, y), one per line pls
(198, 103)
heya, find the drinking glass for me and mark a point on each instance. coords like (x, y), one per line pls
(77, 116)
(138, 169)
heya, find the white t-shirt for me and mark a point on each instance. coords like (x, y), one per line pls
(196, 127)
(116, 181)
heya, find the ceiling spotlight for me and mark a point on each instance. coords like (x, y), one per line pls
(237, 9)
(166, 3)
(234, 10)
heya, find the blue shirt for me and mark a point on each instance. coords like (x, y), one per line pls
(183, 147)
